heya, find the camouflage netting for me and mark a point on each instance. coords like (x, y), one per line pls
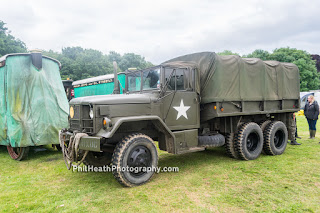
(232, 78)
(33, 103)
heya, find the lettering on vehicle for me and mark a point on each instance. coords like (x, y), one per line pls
(90, 144)
(94, 83)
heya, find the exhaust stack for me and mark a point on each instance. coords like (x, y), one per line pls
(116, 89)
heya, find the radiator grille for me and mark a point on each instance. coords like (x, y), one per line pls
(81, 120)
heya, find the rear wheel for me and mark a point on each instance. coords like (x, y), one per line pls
(98, 159)
(134, 158)
(249, 141)
(19, 153)
(264, 124)
(230, 146)
(275, 138)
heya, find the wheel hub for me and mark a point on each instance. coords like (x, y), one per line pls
(278, 138)
(252, 141)
(139, 157)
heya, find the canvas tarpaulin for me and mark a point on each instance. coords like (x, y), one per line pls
(232, 78)
(33, 103)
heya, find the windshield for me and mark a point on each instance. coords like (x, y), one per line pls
(150, 79)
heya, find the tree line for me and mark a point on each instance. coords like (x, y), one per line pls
(79, 63)
(76, 62)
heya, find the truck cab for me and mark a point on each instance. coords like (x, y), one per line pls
(172, 90)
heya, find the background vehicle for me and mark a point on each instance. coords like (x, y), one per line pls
(68, 88)
(33, 103)
(100, 85)
(186, 104)
(304, 98)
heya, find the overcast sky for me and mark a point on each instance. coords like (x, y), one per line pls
(160, 30)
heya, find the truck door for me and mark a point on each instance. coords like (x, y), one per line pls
(181, 104)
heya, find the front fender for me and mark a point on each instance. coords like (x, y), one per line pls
(156, 120)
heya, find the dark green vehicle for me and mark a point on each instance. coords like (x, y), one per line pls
(186, 104)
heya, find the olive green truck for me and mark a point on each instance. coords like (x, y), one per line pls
(186, 104)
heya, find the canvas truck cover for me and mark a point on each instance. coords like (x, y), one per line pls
(33, 103)
(232, 78)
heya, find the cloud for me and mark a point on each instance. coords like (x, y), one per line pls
(165, 29)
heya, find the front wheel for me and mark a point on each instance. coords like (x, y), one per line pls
(18, 153)
(134, 160)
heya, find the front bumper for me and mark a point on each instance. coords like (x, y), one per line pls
(89, 143)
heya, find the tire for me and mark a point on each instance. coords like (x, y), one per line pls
(98, 159)
(264, 124)
(19, 153)
(275, 138)
(133, 152)
(249, 141)
(230, 146)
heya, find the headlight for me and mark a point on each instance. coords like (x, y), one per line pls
(71, 112)
(91, 113)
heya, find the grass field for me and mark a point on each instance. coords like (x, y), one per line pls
(208, 181)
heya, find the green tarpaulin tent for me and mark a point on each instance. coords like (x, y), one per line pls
(33, 103)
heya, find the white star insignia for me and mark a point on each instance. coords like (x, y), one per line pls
(182, 110)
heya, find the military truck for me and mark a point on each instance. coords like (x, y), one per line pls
(185, 104)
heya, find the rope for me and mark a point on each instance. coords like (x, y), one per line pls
(70, 152)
